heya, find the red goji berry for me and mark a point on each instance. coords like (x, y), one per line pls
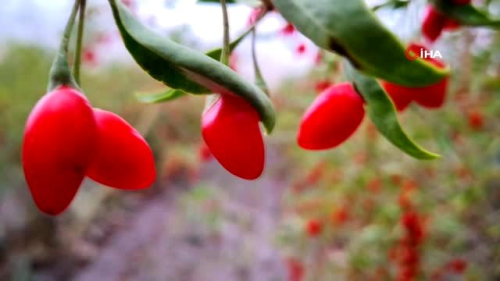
(332, 118)
(59, 143)
(123, 158)
(230, 128)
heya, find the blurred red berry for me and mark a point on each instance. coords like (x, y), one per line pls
(301, 49)
(316, 173)
(476, 120)
(322, 85)
(332, 118)
(230, 128)
(340, 216)
(314, 227)
(288, 29)
(375, 185)
(432, 96)
(457, 266)
(433, 24)
(296, 269)
(461, 2)
(451, 25)
(204, 153)
(89, 57)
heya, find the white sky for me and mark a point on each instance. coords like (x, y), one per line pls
(35, 21)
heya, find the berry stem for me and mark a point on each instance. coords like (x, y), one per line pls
(226, 51)
(79, 42)
(60, 72)
(259, 78)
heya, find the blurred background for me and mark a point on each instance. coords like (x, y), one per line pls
(335, 215)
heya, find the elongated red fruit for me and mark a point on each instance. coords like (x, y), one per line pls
(59, 143)
(123, 158)
(332, 118)
(231, 130)
(432, 96)
(401, 96)
(433, 24)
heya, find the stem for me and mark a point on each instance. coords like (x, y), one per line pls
(224, 58)
(259, 78)
(79, 42)
(60, 72)
(69, 28)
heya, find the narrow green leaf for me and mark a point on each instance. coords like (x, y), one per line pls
(350, 29)
(465, 14)
(216, 53)
(185, 69)
(383, 114)
(168, 95)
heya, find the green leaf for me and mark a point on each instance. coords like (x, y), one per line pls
(168, 95)
(185, 69)
(350, 29)
(465, 14)
(394, 4)
(216, 53)
(383, 114)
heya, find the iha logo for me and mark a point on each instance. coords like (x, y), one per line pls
(415, 52)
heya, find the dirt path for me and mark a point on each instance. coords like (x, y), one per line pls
(161, 242)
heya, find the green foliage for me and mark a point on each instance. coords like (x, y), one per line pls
(383, 114)
(184, 69)
(466, 14)
(350, 29)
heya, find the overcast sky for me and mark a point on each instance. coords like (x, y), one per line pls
(41, 22)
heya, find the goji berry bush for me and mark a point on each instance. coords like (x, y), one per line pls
(380, 163)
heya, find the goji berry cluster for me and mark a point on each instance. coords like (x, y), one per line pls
(406, 254)
(66, 140)
(435, 22)
(432, 96)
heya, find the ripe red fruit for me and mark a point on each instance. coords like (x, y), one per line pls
(322, 85)
(296, 269)
(457, 266)
(461, 2)
(301, 49)
(401, 96)
(476, 120)
(433, 24)
(59, 140)
(432, 96)
(332, 118)
(451, 25)
(123, 158)
(340, 216)
(230, 128)
(204, 153)
(314, 227)
(288, 29)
